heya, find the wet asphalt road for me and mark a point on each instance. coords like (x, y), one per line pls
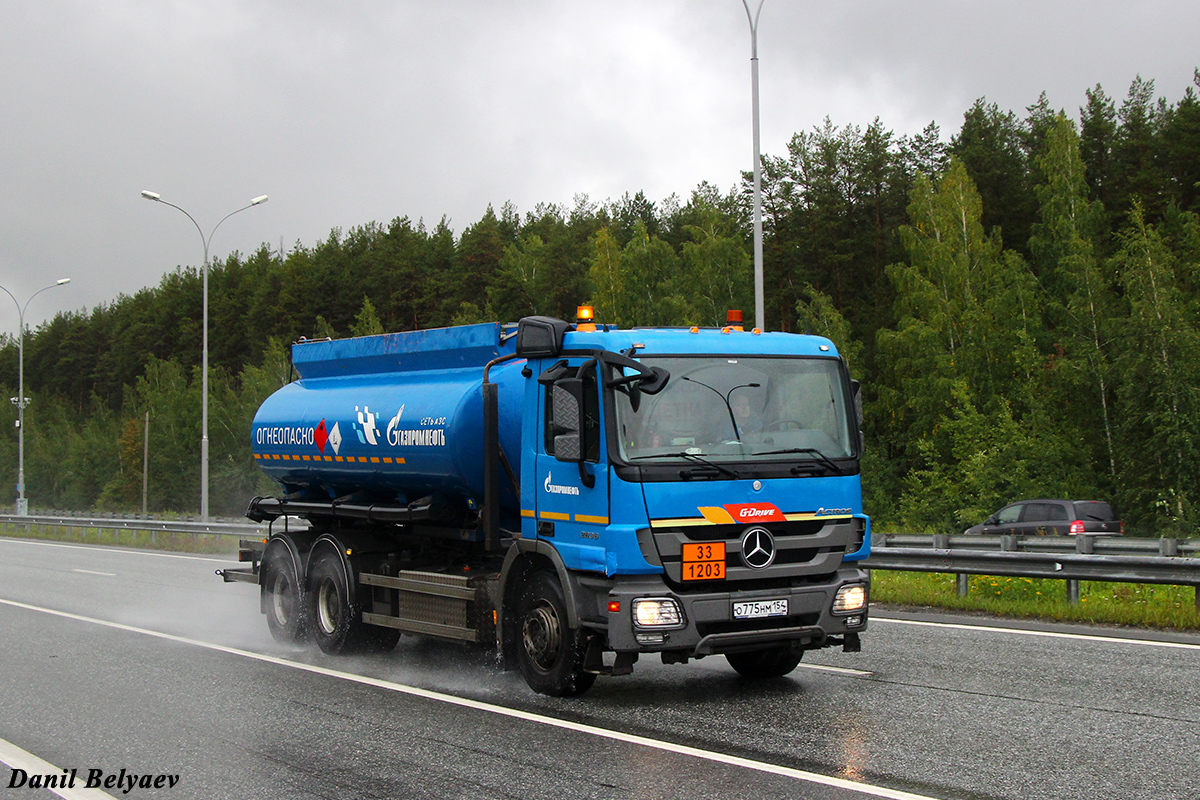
(932, 709)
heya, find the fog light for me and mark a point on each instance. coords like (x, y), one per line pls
(854, 622)
(650, 638)
(657, 612)
(850, 598)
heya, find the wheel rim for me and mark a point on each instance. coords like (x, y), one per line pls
(329, 607)
(281, 598)
(541, 635)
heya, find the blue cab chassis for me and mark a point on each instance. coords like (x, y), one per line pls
(575, 495)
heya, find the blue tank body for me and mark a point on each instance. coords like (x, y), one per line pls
(391, 418)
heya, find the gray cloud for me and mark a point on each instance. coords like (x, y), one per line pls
(359, 111)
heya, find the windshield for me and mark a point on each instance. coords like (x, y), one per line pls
(726, 409)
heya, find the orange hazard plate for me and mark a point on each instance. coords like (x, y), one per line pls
(703, 561)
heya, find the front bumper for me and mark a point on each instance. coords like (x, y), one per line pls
(708, 625)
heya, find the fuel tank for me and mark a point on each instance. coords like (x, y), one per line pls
(392, 418)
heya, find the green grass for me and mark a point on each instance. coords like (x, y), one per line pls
(148, 540)
(1133, 604)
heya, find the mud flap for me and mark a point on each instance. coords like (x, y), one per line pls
(593, 659)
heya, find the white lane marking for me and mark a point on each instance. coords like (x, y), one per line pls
(94, 572)
(858, 673)
(1085, 637)
(476, 705)
(16, 758)
(105, 549)
(855, 673)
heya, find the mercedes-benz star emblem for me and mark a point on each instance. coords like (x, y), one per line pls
(758, 548)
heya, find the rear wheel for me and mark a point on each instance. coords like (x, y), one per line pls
(284, 599)
(772, 663)
(549, 653)
(336, 614)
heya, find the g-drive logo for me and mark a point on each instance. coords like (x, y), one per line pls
(556, 489)
(755, 512)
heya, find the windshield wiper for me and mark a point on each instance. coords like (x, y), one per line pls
(737, 434)
(694, 458)
(809, 451)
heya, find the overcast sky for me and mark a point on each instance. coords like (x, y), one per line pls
(363, 110)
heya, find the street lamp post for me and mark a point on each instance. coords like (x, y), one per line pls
(20, 401)
(759, 309)
(156, 197)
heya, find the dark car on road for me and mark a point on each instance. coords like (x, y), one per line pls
(1052, 518)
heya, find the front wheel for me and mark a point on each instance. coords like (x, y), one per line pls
(550, 654)
(772, 663)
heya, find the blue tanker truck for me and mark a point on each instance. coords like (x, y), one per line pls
(573, 495)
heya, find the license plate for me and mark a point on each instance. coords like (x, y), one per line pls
(703, 561)
(760, 608)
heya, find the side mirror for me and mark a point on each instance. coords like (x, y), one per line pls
(540, 337)
(566, 419)
(856, 396)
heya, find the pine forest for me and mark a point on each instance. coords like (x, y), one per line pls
(1021, 301)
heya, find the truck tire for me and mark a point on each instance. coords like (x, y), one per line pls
(549, 653)
(774, 662)
(284, 599)
(336, 615)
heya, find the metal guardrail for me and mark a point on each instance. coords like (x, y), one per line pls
(1071, 559)
(1082, 543)
(135, 523)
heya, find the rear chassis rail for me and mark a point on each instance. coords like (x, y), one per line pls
(248, 550)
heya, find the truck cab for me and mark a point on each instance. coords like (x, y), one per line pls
(711, 494)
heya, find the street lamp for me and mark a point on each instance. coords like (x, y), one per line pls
(759, 311)
(156, 197)
(20, 401)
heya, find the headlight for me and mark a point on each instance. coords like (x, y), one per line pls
(850, 598)
(657, 612)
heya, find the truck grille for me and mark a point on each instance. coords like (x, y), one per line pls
(802, 550)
